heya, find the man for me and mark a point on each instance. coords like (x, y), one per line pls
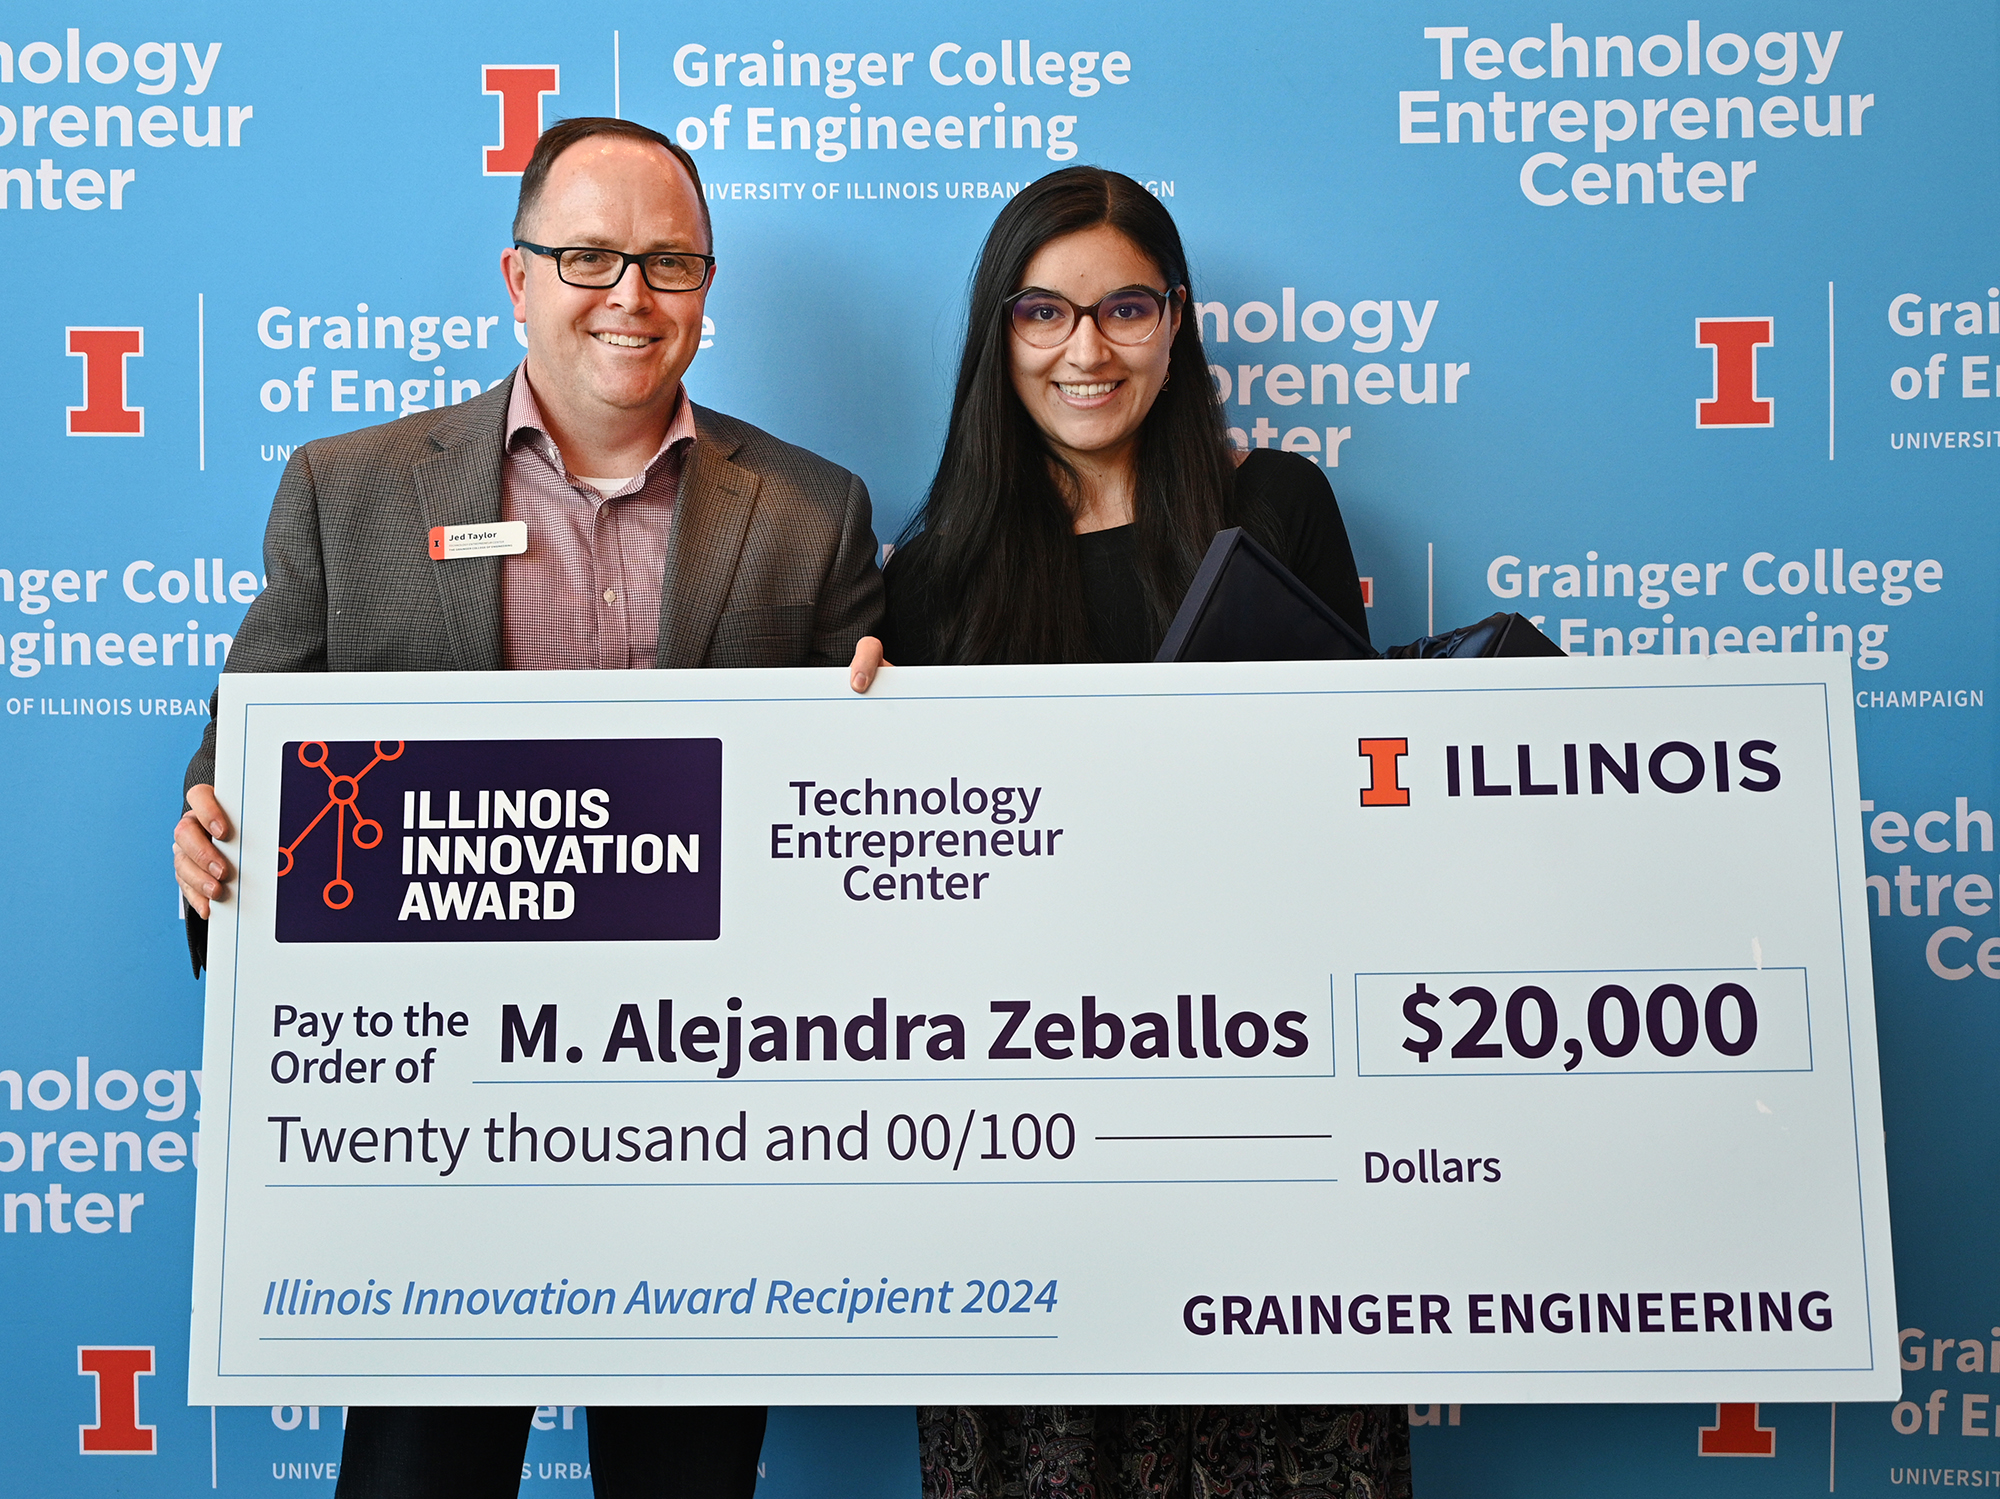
(659, 534)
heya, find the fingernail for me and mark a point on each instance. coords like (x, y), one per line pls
(216, 870)
(215, 828)
(859, 683)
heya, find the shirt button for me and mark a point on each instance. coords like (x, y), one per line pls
(610, 595)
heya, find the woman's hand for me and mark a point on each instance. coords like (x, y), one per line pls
(867, 661)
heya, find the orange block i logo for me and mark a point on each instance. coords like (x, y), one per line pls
(1385, 785)
(520, 90)
(116, 1428)
(106, 410)
(1735, 342)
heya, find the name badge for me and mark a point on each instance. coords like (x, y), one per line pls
(492, 539)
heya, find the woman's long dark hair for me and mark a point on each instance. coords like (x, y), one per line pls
(997, 566)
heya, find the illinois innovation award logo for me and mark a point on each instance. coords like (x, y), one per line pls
(540, 840)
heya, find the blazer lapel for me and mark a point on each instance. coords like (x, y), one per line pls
(460, 485)
(711, 519)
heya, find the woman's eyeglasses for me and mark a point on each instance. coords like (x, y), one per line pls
(1130, 315)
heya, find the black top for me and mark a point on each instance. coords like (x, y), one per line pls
(1283, 498)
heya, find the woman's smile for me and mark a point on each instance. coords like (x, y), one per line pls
(1087, 394)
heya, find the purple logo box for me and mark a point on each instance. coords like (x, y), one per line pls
(501, 840)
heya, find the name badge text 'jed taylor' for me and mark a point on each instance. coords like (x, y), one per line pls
(498, 538)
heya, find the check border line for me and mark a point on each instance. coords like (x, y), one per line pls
(1108, 1181)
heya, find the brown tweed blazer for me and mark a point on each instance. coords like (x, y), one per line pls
(771, 560)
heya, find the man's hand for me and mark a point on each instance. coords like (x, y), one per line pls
(203, 873)
(867, 661)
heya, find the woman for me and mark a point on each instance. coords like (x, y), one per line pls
(1085, 471)
(1087, 466)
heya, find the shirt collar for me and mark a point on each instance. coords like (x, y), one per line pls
(525, 424)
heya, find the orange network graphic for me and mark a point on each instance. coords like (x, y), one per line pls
(343, 795)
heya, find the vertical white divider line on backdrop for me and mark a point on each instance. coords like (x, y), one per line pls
(1430, 588)
(212, 1483)
(1832, 1411)
(201, 380)
(617, 103)
(1829, 372)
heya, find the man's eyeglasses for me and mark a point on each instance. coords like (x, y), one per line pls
(1130, 315)
(596, 268)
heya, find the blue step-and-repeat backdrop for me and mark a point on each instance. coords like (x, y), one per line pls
(1672, 327)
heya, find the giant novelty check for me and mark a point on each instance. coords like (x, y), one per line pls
(1381, 1031)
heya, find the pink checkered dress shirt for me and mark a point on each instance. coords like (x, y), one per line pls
(586, 593)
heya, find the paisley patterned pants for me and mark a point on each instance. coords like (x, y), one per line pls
(1165, 1452)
